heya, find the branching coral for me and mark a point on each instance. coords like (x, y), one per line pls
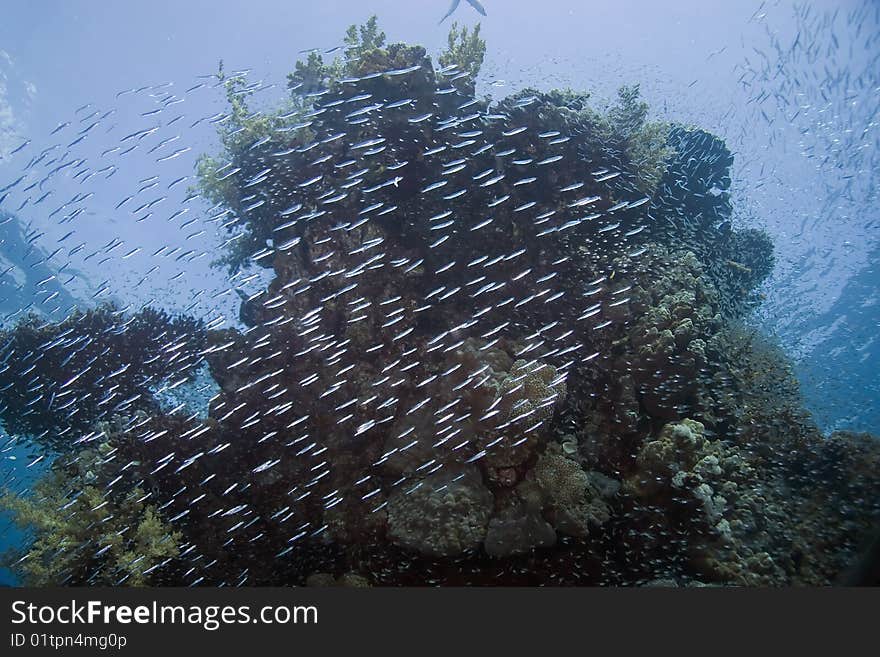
(58, 379)
(309, 76)
(360, 40)
(85, 534)
(645, 143)
(465, 51)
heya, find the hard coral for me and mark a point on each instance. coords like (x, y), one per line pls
(572, 502)
(443, 515)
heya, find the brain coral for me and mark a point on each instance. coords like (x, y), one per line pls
(442, 515)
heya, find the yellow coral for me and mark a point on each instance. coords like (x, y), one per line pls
(97, 537)
(466, 50)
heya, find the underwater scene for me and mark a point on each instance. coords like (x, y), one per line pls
(404, 293)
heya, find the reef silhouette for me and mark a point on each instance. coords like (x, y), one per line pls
(630, 430)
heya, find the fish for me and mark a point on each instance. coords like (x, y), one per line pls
(476, 4)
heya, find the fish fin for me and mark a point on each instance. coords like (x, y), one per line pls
(449, 13)
(476, 4)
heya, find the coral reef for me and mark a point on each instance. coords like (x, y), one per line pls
(465, 52)
(518, 529)
(502, 343)
(348, 579)
(760, 524)
(440, 516)
(58, 379)
(573, 502)
(88, 535)
(645, 144)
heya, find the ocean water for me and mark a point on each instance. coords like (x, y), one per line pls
(342, 293)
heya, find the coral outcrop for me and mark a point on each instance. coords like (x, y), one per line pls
(500, 343)
(569, 497)
(440, 516)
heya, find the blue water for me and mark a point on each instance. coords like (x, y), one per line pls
(839, 376)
